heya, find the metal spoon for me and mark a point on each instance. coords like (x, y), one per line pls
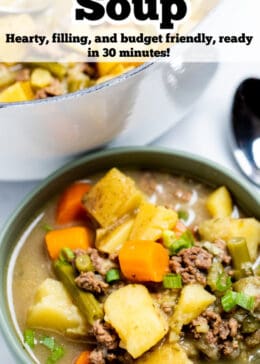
(245, 128)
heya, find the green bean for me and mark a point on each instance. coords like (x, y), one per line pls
(85, 301)
(239, 252)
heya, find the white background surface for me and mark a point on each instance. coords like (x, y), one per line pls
(204, 131)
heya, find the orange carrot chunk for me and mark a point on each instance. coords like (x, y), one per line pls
(70, 207)
(143, 261)
(83, 358)
(179, 228)
(76, 237)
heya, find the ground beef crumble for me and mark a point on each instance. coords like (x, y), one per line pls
(224, 255)
(107, 350)
(101, 265)
(221, 336)
(192, 264)
(105, 335)
(91, 282)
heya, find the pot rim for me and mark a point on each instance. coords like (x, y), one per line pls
(81, 93)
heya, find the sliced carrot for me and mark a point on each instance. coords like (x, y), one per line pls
(143, 261)
(83, 358)
(76, 237)
(70, 207)
(179, 228)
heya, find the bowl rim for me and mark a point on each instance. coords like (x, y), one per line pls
(8, 333)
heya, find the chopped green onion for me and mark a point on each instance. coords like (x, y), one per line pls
(228, 301)
(48, 342)
(245, 301)
(112, 275)
(223, 282)
(175, 244)
(185, 241)
(56, 354)
(29, 338)
(231, 299)
(168, 237)
(83, 263)
(47, 227)
(183, 215)
(171, 280)
(57, 351)
(67, 255)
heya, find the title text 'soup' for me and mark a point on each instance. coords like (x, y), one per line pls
(166, 12)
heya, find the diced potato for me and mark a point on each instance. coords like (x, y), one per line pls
(219, 203)
(132, 313)
(112, 197)
(165, 354)
(53, 310)
(111, 242)
(41, 78)
(151, 220)
(6, 76)
(194, 299)
(19, 91)
(227, 228)
(106, 68)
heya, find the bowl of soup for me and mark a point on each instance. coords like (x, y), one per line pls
(134, 255)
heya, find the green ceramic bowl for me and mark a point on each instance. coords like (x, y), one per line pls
(152, 158)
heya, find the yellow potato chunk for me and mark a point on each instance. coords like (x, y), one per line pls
(151, 221)
(107, 68)
(227, 228)
(194, 299)
(139, 324)
(53, 310)
(219, 203)
(112, 197)
(165, 354)
(19, 91)
(111, 241)
(41, 78)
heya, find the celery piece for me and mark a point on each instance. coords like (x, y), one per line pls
(83, 263)
(67, 254)
(240, 255)
(85, 301)
(250, 324)
(215, 271)
(223, 282)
